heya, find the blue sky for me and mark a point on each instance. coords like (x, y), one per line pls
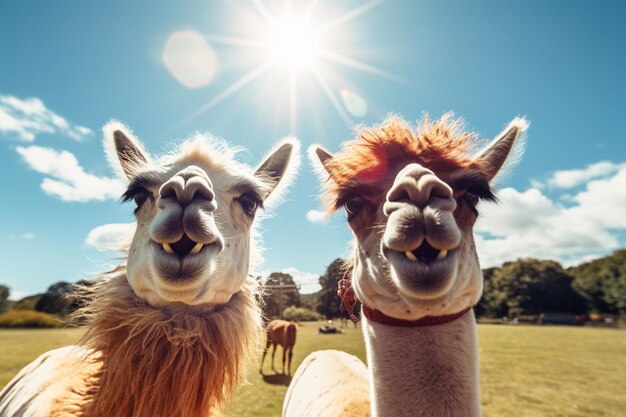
(66, 68)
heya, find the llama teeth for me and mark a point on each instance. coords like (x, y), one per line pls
(442, 254)
(167, 248)
(410, 255)
(197, 248)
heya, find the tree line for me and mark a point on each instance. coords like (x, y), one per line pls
(524, 287)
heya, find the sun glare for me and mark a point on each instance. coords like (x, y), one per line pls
(291, 42)
(294, 44)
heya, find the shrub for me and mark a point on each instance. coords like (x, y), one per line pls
(27, 318)
(300, 314)
(26, 303)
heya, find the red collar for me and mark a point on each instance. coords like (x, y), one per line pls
(377, 316)
(349, 300)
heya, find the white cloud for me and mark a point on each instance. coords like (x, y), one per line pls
(316, 216)
(27, 236)
(530, 224)
(308, 282)
(574, 177)
(30, 117)
(66, 179)
(18, 295)
(111, 237)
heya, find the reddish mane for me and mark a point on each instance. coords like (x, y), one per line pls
(439, 145)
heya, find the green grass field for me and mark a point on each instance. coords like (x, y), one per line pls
(525, 371)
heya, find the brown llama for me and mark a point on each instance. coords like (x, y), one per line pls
(411, 197)
(283, 333)
(170, 329)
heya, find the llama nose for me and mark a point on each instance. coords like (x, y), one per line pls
(418, 186)
(192, 183)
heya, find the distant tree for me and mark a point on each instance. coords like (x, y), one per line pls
(310, 301)
(603, 282)
(300, 314)
(292, 294)
(329, 301)
(530, 286)
(55, 300)
(493, 301)
(280, 292)
(27, 303)
(4, 298)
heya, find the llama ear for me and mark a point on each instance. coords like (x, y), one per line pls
(505, 150)
(279, 166)
(323, 155)
(319, 158)
(126, 154)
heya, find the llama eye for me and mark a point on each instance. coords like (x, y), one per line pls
(249, 203)
(478, 192)
(138, 194)
(471, 199)
(353, 206)
(141, 198)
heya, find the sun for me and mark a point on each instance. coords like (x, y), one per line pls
(293, 44)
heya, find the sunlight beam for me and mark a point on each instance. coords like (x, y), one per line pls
(310, 7)
(235, 40)
(332, 56)
(227, 92)
(333, 98)
(293, 104)
(350, 15)
(264, 12)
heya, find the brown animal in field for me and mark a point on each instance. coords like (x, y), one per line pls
(280, 332)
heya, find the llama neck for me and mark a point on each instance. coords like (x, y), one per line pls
(423, 371)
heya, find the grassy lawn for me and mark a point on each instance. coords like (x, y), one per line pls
(525, 371)
(19, 347)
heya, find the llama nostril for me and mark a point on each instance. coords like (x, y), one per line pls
(167, 193)
(173, 188)
(418, 188)
(186, 190)
(198, 187)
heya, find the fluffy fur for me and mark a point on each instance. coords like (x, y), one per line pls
(440, 144)
(328, 383)
(179, 362)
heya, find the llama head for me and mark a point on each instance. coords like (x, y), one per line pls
(195, 209)
(410, 197)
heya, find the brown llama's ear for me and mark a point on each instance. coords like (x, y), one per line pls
(280, 166)
(505, 150)
(323, 155)
(319, 158)
(125, 152)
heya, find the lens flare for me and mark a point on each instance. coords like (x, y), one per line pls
(355, 104)
(190, 59)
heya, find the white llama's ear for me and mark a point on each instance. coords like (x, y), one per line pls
(319, 157)
(279, 167)
(124, 151)
(504, 151)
